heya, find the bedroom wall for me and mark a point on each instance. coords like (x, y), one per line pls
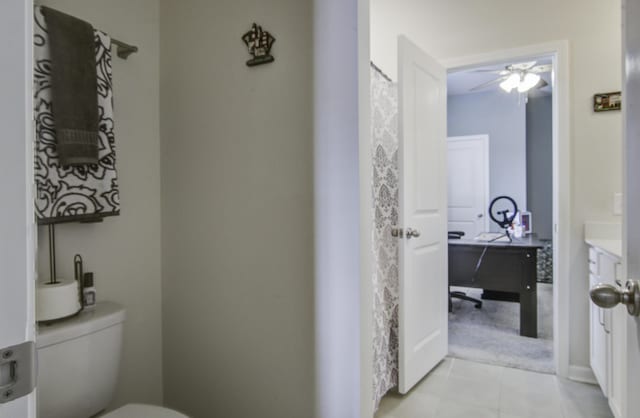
(540, 164)
(124, 251)
(503, 118)
(237, 210)
(592, 27)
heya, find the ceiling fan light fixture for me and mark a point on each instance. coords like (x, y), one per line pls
(522, 76)
(529, 81)
(511, 82)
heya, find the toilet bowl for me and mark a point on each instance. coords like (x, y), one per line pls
(78, 361)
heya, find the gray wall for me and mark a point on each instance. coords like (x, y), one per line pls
(124, 251)
(504, 119)
(237, 210)
(540, 164)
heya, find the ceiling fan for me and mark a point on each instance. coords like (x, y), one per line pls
(522, 76)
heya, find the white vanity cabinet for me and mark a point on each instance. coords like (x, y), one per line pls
(617, 351)
(607, 333)
(598, 343)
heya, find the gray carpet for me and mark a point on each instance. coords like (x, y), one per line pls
(491, 334)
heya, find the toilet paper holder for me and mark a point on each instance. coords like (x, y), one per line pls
(50, 313)
(79, 276)
(77, 264)
(53, 279)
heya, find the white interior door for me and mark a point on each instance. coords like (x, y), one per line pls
(423, 269)
(17, 228)
(468, 181)
(631, 227)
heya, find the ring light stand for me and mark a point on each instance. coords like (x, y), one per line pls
(505, 221)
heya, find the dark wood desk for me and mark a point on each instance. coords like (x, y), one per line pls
(507, 268)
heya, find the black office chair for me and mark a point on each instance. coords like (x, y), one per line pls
(457, 294)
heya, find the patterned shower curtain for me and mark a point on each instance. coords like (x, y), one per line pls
(384, 116)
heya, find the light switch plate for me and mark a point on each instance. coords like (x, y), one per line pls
(617, 204)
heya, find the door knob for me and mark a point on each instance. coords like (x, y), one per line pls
(412, 233)
(607, 296)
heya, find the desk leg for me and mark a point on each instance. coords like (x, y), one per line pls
(529, 313)
(529, 297)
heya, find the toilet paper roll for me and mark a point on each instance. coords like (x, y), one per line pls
(58, 300)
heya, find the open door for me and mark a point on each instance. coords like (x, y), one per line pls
(17, 220)
(630, 401)
(623, 344)
(423, 334)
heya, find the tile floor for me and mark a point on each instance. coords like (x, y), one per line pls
(460, 388)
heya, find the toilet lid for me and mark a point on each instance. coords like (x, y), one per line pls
(143, 411)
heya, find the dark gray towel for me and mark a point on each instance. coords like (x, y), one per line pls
(74, 86)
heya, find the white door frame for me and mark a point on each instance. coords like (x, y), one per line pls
(17, 220)
(559, 51)
(343, 230)
(487, 168)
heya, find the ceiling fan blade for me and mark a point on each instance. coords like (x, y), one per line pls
(542, 84)
(522, 66)
(489, 83)
(541, 69)
(499, 72)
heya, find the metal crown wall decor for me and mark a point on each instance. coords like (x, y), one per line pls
(259, 43)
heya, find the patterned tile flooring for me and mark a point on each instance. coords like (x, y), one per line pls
(460, 388)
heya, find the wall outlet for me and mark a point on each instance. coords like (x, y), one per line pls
(617, 204)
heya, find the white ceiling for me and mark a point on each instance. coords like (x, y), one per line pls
(462, 81)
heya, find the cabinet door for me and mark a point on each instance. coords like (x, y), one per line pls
(607, 268)
(598, 341)
(617, 346)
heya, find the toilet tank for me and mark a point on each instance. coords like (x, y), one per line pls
(78, 361)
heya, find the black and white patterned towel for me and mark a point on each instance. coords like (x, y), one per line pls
(81, 193)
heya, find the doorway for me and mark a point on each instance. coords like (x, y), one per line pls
(501, 315)
(557, 54)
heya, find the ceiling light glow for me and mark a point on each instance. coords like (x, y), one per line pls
(529, 81)
(511, 82)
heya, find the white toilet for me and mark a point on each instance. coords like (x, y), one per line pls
(78, 362)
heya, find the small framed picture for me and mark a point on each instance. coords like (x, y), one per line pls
(525, 221)
(603, 102)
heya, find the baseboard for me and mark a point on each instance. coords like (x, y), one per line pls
(582, 374)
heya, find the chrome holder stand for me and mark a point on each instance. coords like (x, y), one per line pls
(53, 279)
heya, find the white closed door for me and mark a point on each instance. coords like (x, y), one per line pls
(468, 184)
(423, 269)
(17, 226)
